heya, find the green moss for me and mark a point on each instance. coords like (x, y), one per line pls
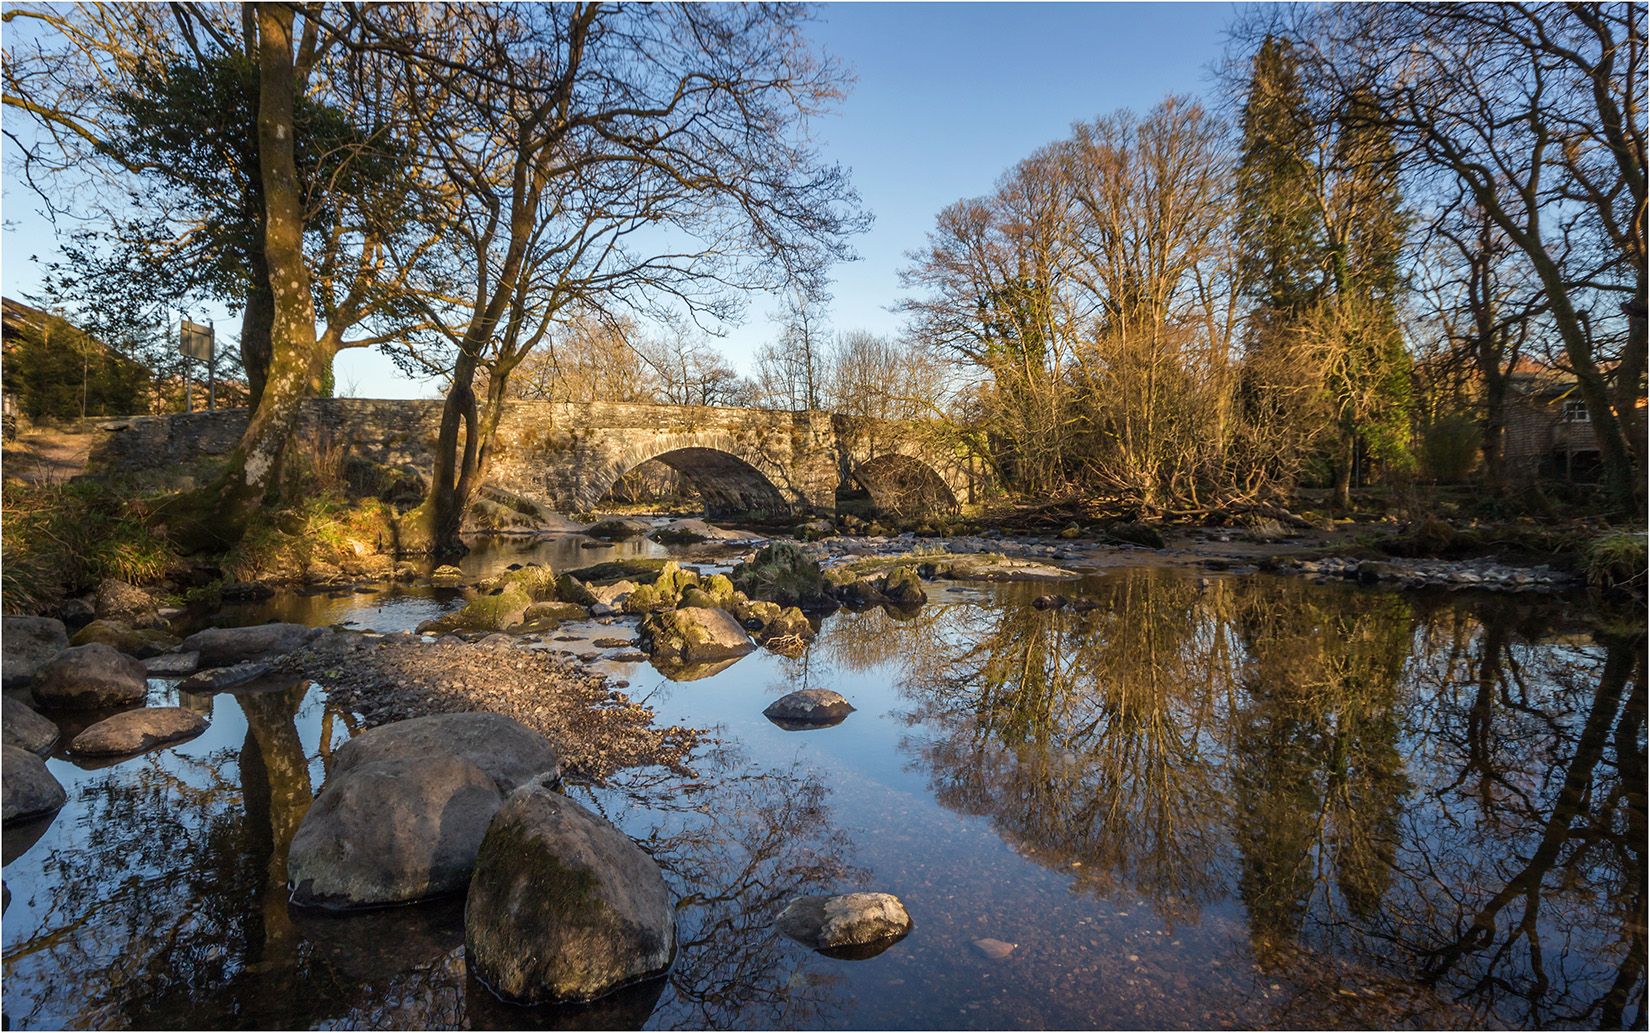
(489, 613)
(643, 572)
(782, 573)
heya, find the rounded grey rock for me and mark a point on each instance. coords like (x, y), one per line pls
(25, 644)
(93, 675)
(392, 832)
(222, 647)
(26, 729)
(27, 788)
(844, 920)
(137, 731)
(809, 708)
(563, 906)
(507, 751)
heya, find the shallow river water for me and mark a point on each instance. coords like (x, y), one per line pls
(1211, 802)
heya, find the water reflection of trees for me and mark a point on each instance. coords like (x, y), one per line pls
(1361, 772)
(736, 846)
(168, 907)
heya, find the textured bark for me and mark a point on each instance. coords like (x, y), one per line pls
(218, 514)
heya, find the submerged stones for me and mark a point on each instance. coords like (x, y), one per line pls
(93, 675)
(808, 708)
(563, 906)
(871, 922)
(138, 730)
(27, 789)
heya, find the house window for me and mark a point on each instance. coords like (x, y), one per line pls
(1575, 411)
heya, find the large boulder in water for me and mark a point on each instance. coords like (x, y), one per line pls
(25, 644)
(392, 832)
(844, 921)
(507, 751)
(26, 729)
(93, 675)
(223, 647)
(27, 788)
(138, 730)
(694, 634)
(563, 906)
(808, 708)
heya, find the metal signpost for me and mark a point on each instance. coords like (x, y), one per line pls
(196, 342)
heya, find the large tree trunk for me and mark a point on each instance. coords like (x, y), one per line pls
(257, 321)
(218, 514)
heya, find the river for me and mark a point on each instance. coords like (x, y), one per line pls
(1214, 801)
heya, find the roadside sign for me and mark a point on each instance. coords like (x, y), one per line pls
(195, 341)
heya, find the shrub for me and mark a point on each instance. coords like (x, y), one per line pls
(1616, 560)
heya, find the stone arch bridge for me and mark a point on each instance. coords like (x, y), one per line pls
(567, 456)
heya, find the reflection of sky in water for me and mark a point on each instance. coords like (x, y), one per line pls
(1251, 801)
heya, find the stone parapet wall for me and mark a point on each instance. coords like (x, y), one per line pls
(564, 456)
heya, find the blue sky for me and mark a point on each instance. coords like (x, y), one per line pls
(948, 96)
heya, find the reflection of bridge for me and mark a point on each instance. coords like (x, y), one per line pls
(567, 456)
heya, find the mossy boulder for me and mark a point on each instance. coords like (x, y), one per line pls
(489, 613)
(616, 529)
(142, 643)
(693, 634)
(783, 573)
(563, 906)
(446, 575)
(551, 612)
(573, 590)
(756, 614)
(787, 633)
(903, 587)
(539, 582)
(714, 592)
(665, 592)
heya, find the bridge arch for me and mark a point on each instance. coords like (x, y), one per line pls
(896, 485)
(729, 483)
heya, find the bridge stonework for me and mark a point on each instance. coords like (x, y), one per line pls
(566, 456)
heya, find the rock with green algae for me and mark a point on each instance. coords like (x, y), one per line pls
(489, 613)
(903, 587)
(756, 614)
(142, 643)
(715, 592)
(664, 593)
(783, 573)
(544, 616)
(563, 906)
(787, 633)
(693, 634)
